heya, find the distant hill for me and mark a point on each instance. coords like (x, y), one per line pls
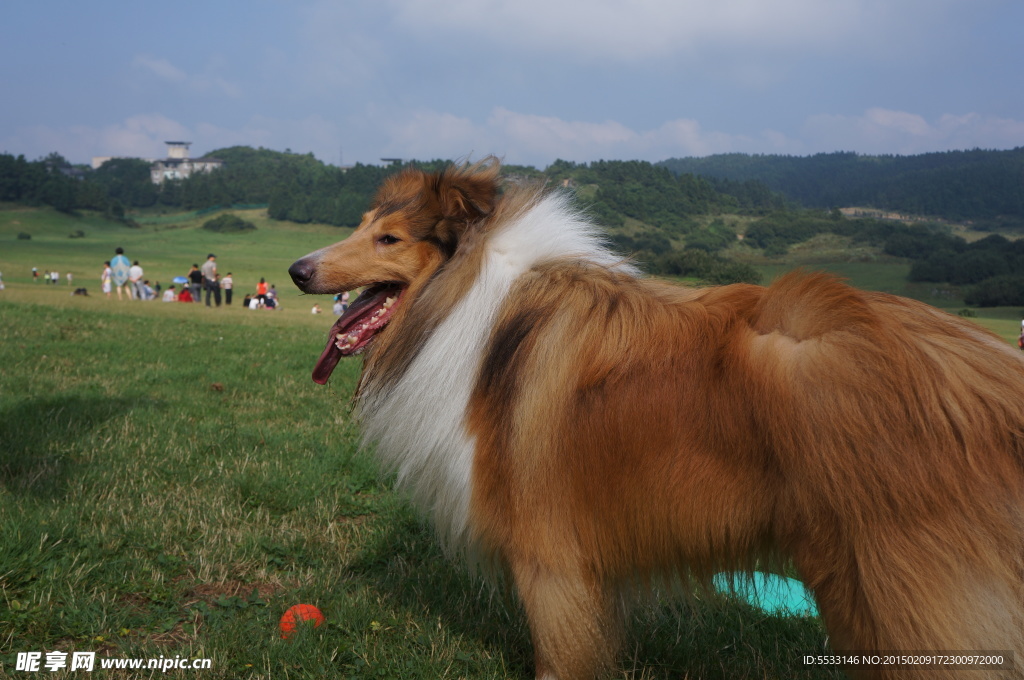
(980, 186)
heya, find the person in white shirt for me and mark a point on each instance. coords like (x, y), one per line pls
(105, 278)
(135, 279)
(227, 283)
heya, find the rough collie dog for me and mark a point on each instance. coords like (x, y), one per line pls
(589, 431)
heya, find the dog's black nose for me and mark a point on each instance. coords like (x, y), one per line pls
(302, 272)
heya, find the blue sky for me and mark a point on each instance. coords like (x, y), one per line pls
(527, 80)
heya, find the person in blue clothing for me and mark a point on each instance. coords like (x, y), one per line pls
(119, 266)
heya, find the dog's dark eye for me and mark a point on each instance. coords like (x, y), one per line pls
(388, 239)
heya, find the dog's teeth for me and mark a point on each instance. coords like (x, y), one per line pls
(344, 342)
(387, 303)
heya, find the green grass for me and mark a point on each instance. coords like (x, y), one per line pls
(169, 486)
(171, 481)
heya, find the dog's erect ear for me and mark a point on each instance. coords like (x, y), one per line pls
(467, 194)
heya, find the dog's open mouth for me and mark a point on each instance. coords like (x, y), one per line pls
(357, 327)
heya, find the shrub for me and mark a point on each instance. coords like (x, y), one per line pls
(228, 224)
(716, 236)
(650, 242)
(24, 236)
(703, 265)
(778, 231)
(997, 291)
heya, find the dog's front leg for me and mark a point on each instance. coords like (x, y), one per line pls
(574, 621)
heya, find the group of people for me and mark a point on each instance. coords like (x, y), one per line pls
(340, 304)
(265, 297)
(51, 276)
(128, 279)
(207, 278)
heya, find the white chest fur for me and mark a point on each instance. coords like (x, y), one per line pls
(419, 425)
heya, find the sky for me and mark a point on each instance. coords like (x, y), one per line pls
(531, 81)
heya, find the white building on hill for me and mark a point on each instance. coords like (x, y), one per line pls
(178, 165)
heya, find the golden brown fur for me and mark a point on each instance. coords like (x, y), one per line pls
(626, 429)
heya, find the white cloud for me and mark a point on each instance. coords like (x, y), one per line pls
(311, 134)
(426, 135)
(201, 83)
(522, 138)
(539, 140)
(162, 68)
(881, 131)
(143, 136)
(140, 136)
(655, 28)
(530, 133)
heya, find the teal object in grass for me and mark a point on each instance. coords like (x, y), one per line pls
(769, 592)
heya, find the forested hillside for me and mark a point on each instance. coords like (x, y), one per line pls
(696, 223)
(302, 189)
(985, 187)
(52, 181)
(646, 209)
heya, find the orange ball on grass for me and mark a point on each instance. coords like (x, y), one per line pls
(298, 615)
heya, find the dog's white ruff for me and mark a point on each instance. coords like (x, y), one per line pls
(419, 425)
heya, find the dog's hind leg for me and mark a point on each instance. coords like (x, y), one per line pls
(575, 621)
(902, 594)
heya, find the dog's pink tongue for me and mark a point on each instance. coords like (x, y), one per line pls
(327, 361)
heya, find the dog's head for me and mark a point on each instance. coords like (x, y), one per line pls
(413, 227)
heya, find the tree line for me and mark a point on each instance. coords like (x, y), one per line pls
(983, 186)
(293, 186)
(300, 188)
(655, 204)
(990, 271)
(674, 223)
(53, 181)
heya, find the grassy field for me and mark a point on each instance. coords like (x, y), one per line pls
(165, 247)
(171, 481)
